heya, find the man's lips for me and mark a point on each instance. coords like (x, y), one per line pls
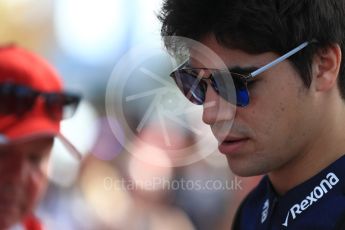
(230, 138)
(232, 144)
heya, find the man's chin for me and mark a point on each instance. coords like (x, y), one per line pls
(242, 169)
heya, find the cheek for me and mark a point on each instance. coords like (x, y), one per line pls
(275, 120)
(269, 131)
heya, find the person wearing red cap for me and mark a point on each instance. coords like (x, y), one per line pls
(32, 104)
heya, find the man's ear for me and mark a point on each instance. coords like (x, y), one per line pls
(326, 66)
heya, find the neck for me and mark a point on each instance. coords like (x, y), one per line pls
(327, 147)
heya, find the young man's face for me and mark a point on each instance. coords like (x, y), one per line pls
(277, 125)
(22, 178)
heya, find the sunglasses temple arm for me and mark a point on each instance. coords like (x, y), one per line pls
(278, 60)
(71, 147)
(184, 63)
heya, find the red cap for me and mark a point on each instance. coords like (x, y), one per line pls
(21, 67)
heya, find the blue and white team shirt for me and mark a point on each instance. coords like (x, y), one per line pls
(316, 204)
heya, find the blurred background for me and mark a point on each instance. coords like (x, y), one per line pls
(142, 168)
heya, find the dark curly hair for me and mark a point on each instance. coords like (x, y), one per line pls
(257, 26)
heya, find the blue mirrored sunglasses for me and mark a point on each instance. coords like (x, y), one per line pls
(233, 87)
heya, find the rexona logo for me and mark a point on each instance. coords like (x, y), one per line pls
(317, 193)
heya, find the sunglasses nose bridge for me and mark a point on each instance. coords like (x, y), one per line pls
(211, 93)
(40, 99)
(38, 105)
(209, 81)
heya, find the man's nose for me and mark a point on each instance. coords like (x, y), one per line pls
(216, 108)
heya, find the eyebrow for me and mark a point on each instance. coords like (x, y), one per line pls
(243, 70)
(235, 69)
